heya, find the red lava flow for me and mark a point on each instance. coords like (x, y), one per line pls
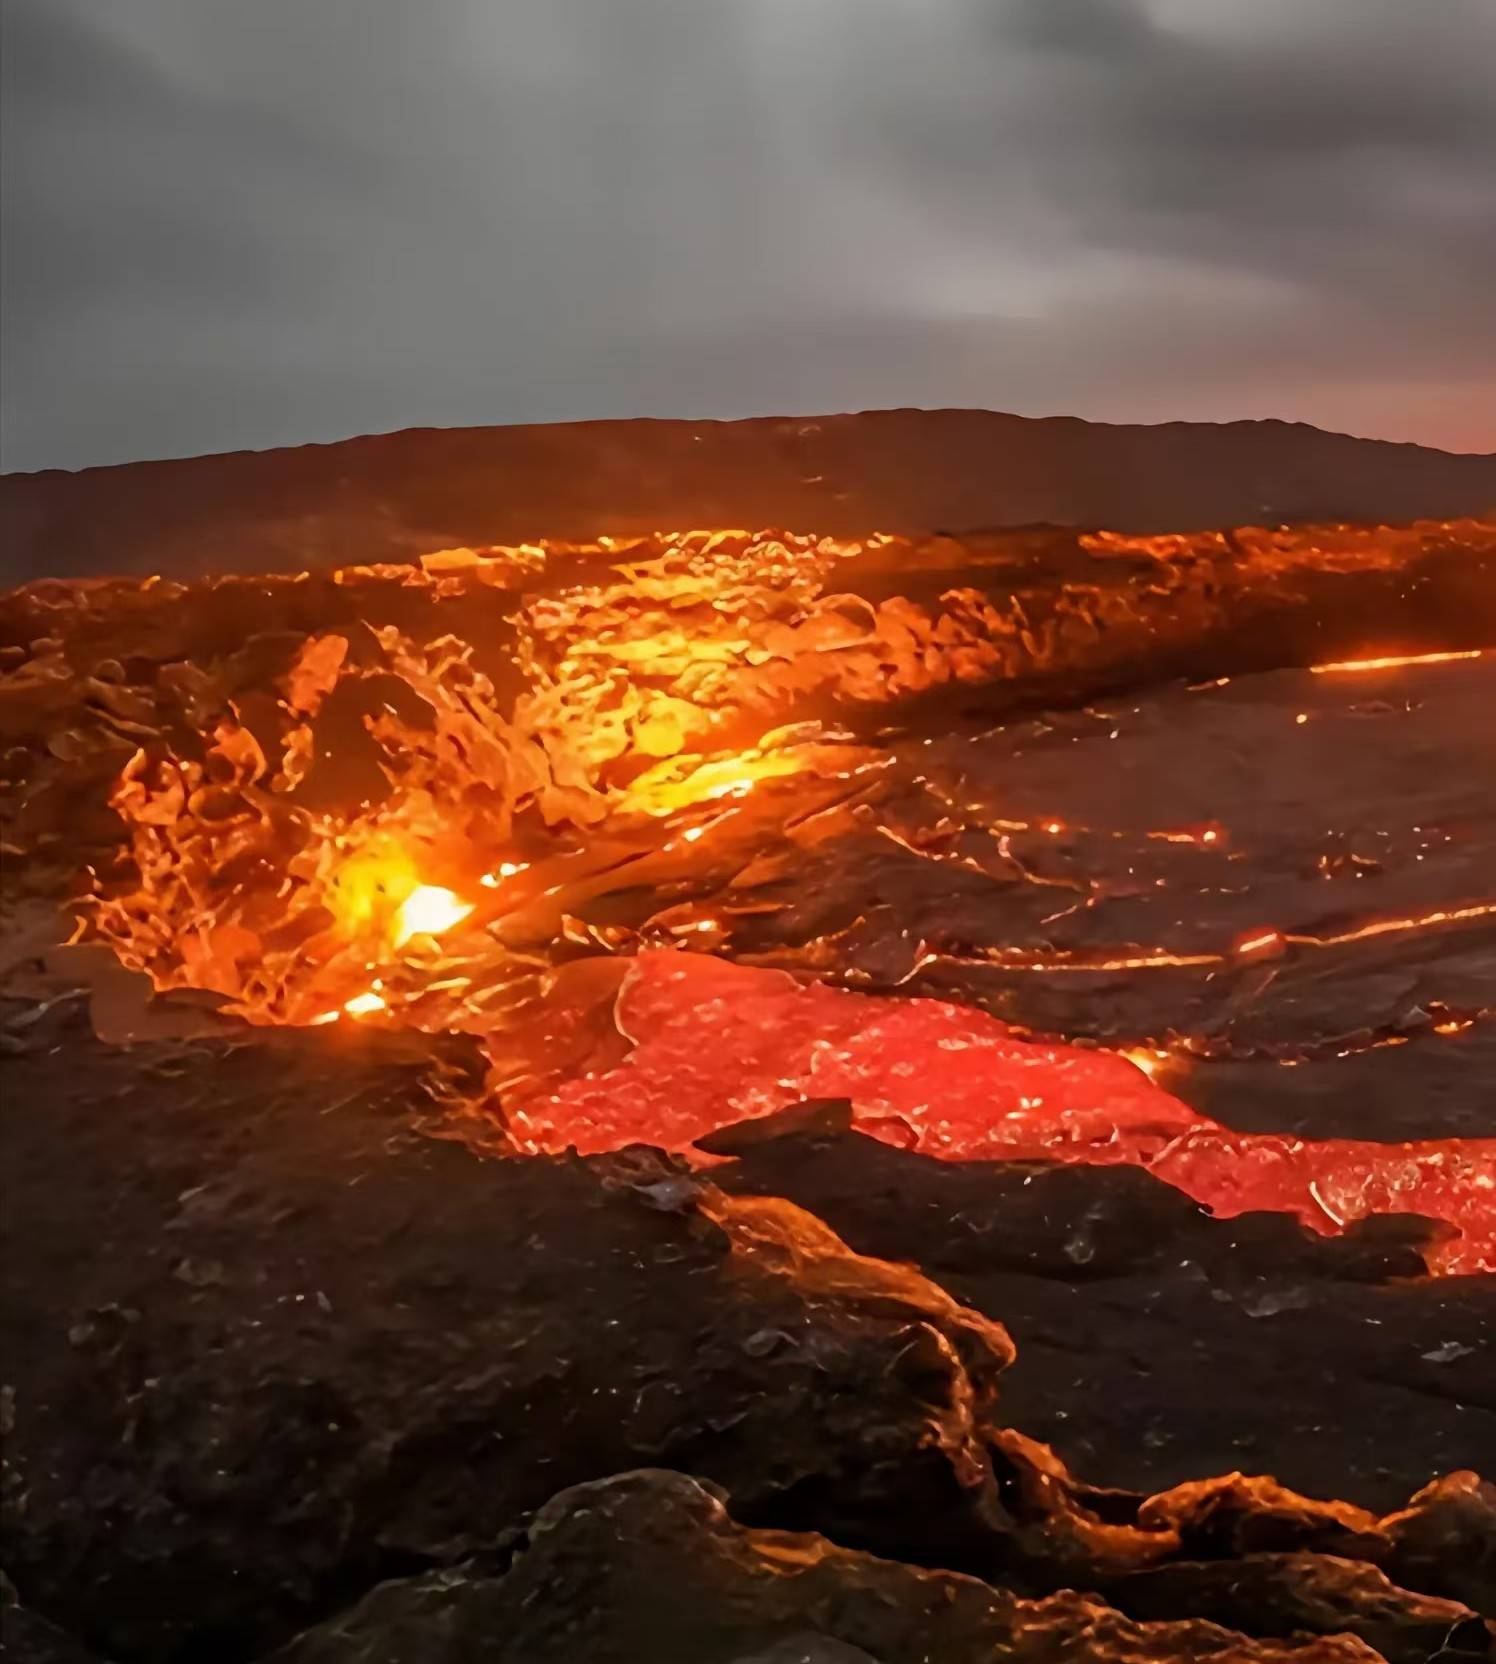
(714, 1043)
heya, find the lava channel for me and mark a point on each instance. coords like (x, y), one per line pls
(713, 1043)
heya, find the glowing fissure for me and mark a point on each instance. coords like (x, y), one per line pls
(1397, 661)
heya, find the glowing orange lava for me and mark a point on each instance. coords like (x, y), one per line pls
(714, 1043)
(618, 741)
(429, 910)
(1397, 661)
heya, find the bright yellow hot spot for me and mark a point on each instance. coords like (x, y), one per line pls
(377, 892)
(1152, 1060)
(369, 887)
(428, 911)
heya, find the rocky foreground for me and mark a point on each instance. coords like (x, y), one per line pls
(282, 1364)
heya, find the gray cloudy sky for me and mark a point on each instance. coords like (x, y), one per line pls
(255, 222)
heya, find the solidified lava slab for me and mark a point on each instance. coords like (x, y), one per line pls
(650, 1566)
(1422, 1085)
(1156, 1342)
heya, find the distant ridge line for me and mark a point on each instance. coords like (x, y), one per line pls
(394, 496)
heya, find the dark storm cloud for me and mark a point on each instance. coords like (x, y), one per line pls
(247, 225)
(1089, 27)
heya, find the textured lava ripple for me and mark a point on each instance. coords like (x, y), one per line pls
(714, 1043)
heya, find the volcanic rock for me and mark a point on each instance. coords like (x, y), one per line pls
(1443, 1542)
(1290, 1594)
(266, 1342)
(28, 1639)
(648, 1566)
(1238, 1343)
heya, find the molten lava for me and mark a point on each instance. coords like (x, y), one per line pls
(429, 910)
(360, 813)
(1395, 661)
(714, 1043)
